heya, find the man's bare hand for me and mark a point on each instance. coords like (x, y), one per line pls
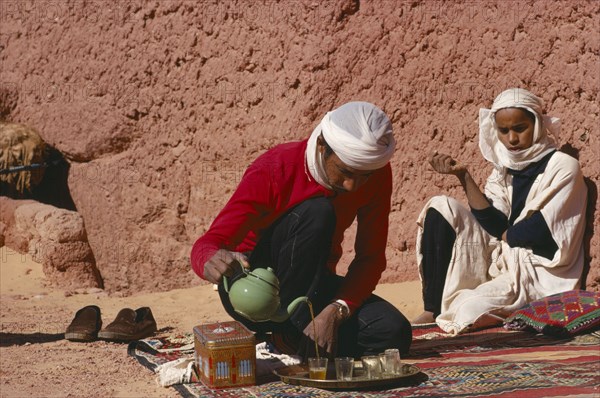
(223, 262)
(444, 164)
(327, 324)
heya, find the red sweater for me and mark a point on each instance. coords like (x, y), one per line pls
(279, 180)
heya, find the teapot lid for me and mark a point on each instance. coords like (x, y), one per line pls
(266, 275)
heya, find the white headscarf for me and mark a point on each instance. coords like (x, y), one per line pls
(359, 133)
(545, 131)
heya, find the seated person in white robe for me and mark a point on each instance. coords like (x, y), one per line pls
(521, 239)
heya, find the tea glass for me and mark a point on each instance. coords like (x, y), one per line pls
(343, 368)
(372, 366)
(390, 362)
(317, 368)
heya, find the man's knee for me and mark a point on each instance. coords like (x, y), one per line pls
(383, 327)
(398, 332)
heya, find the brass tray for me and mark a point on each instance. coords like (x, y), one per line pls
(298, 375)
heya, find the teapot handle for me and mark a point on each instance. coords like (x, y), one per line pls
(226, 284)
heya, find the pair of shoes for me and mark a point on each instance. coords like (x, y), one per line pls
(129, 325)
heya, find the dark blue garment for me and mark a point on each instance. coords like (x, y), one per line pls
(531, 232)
(436, 248)
(492, 220)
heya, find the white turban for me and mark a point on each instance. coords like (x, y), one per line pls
(359, 133)
(545, 131)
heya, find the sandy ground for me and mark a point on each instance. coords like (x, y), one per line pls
(35, 360)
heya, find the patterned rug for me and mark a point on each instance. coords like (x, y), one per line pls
(492, 362)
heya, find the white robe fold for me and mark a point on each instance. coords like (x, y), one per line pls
(487, 278)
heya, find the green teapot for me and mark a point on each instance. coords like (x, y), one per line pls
(255, 296)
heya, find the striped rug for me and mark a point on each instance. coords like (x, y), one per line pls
(489, 363)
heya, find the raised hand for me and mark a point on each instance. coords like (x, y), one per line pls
(445, 164)
(223, 262)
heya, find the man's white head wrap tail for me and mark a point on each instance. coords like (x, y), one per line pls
(545, 132)
(359, 133)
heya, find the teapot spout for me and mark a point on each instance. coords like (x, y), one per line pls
(283, 314)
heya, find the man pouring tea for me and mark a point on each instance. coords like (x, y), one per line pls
(289, 213)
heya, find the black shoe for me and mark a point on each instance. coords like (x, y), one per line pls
(85, 325)
(130, 325)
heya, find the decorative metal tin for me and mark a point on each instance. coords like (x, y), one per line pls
(225, 354)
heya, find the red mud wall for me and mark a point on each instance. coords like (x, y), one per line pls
(160, 105)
